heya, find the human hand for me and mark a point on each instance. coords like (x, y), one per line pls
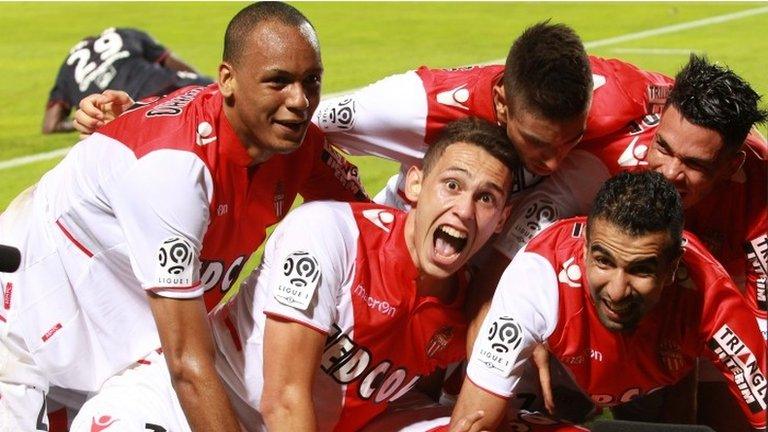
(96, 110)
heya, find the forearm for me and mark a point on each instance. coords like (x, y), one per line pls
(204, 400)
(176, 64)
(55, 120)
(290, 410)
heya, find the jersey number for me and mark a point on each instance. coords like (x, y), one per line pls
(107, 49)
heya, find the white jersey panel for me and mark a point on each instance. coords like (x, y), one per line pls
(387, 118)
(164, 218)
(523, 313)
(568, 192)
(317, 239)
(79, 290)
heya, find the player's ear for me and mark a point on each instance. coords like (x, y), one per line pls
(736, 162)
(413, 182)
(500, 103)
(504, 216)
(226, 79)
(670, 279)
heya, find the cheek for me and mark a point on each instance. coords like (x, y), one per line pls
(648, 290)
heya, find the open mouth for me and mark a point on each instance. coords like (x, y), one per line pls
(449, 241)
(293, 126)
(618, 313)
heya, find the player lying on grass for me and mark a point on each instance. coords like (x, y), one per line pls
(625, 301)
(119, 58)
(351, 305)
(128, 238)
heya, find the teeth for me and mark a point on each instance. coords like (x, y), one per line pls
(453, 232)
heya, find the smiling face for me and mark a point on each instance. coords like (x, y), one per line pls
(273, 88)
(541, 143)
(459, 203)
(691, 157)
(626, 273)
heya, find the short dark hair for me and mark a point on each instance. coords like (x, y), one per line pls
(714, 97)
(640, 203)
(548, 71)
(249, 17)
(475, 131)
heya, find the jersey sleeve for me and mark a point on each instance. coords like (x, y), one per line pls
(61, 91)
(736, 347)
(523, 313)
(150, 49)
(386, 119)
(307, 262)
(566, 193)
(162, 205)
(333, 177)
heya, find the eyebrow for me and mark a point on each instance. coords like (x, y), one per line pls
(278, 71)
(597, 248)
(652, 260)
(686, 160)
(466, 172)
(538, 141)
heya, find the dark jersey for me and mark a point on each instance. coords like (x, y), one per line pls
(121, 59)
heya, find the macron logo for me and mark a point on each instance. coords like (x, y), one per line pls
(598, 81)
(455, 98)
(381, 218)
(570, 274)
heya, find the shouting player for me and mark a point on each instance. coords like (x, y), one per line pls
(625, 301)
(122, 240)
(119, 58)
(352, 304)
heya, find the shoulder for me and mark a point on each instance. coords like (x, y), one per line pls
(319, 217)
(562, 236)
(184, 120)
(699, 269)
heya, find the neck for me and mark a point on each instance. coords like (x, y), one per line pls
(444, 289)
(257, 154)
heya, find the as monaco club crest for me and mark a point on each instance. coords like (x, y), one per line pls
(279, 200)
(439, 341)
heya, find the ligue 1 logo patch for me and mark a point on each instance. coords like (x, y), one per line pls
(175, 259)
(500, 348)
(337, 117)
(298, 281)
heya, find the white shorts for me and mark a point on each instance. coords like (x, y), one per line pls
(140, 399)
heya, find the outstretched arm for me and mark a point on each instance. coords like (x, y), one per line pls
(176, 64)
(188, 347)
(486, 409)
(286, 401)
(55, 119)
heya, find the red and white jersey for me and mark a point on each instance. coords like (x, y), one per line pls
(731, 220)
(345, 271)
(544, 297)
(399, 116)
(162, 200)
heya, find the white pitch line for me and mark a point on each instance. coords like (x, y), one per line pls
(12, 163)
(654, 51)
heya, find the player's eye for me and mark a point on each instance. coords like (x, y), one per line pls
(313, 80)
(278, 81)
(487, 198)
(452, 184)
(601, 261)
